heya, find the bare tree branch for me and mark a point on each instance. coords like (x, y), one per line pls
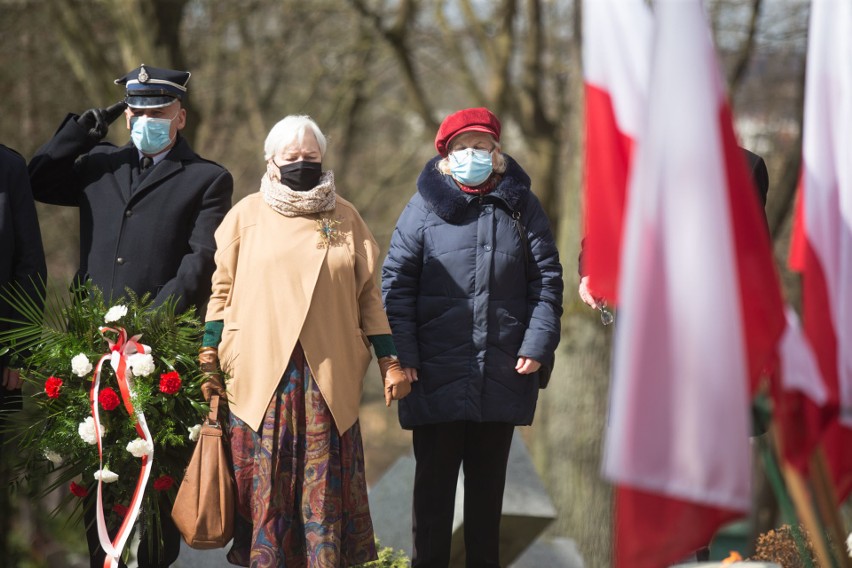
(504, 47)
(353, 98)
(396, 38)
(81, 54)
(781, 206)
(451, 40)
(476, 30)
(744, 54)
(532, 104)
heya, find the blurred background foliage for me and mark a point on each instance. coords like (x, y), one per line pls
(379, 76)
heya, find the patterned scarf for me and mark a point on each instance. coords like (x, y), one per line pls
(294, 203)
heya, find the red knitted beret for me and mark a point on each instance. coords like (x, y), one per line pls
(467, 120)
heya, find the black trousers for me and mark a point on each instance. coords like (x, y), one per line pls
(6, 457)
(439, 449)
(171, 540)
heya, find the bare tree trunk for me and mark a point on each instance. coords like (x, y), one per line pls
(744, 54)
(569, 431)
(781, 206)
(571, 418)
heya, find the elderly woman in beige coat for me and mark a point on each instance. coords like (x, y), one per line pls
(294, 309)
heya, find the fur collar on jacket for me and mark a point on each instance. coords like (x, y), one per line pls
(443, 196)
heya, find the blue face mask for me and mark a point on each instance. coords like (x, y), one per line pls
(470, 167)
(150, 135)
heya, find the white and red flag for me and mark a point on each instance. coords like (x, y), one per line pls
(822, 238)
(700, 312)
(616, 60)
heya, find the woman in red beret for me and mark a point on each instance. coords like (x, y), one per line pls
(473, 291)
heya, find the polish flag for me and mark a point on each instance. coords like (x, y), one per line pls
(700, 313)
(822, 237)
(616, 60)
(799, 397)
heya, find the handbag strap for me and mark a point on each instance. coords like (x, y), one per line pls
(213, 417)
(522, 233)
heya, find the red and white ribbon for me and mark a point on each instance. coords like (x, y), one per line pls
(120, 349)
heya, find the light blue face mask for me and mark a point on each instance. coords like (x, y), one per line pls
(150, 135)
(470, 167)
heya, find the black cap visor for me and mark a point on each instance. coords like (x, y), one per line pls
(149, 101)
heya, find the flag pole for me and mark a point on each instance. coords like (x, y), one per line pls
(826, 499)
(788, 511)
(802, 500)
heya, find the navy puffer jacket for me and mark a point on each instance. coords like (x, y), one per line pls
(470, 284)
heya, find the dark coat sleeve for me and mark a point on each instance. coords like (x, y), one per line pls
(544, 288)
(191, 284)
(23, 263)
(759, 174)
(401, 280)
(760, 178)
(53, 168)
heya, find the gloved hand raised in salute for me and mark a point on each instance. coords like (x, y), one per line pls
(97, 120)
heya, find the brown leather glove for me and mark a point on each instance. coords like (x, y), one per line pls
(208, 359)
(396, 385)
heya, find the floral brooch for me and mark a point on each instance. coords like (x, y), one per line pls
(329, 234)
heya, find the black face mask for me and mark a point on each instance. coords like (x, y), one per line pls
(301, 176)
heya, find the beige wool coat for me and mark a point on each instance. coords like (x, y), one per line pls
(279, 280)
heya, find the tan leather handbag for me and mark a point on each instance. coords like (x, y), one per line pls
(204, 507)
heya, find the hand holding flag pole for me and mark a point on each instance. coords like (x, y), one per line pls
(606, 316)
(596, 302)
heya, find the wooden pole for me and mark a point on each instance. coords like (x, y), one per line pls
(804, 506)
(802, 499)
(826, 500)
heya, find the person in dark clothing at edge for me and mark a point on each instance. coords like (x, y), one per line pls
(22, 270)
(148, 211)
(760, 177)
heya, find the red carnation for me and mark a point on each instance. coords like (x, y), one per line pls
(78, 490)
(109, 399)
(51, 387)
(170, 382)
(163, 483)
(120, 509)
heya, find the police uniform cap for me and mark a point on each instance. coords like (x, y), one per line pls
(151, 87)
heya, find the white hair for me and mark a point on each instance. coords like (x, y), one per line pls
(291, 129)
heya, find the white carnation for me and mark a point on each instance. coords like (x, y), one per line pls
(115, 313)
(142, 364)
(106, 475)
(86, 429)
(80, 365)
(53, 457)
(140, 447)
(194, 432)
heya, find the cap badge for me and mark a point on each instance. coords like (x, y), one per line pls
(143, 75)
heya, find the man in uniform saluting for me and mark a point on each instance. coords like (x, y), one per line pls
(148, 211)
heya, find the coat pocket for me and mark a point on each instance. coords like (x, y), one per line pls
(229, 348)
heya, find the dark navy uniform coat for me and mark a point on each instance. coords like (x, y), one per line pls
(470, 284)
(149, 233)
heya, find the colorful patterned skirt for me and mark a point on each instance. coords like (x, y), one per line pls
(301, 488)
